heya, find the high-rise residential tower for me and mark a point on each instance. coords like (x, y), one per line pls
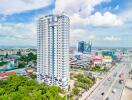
(53, 50)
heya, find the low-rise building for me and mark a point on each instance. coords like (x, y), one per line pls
(95, 60)
(107, 59)
(4, 75)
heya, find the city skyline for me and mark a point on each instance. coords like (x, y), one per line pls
(65, 49)
(104, 22)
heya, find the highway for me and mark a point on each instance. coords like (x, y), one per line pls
(110, 82)
(119, 87)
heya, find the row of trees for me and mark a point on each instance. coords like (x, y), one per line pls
(29, 57)
(24, 88)
(3, 63)
(99, 69)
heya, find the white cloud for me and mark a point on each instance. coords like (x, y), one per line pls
(106, 19)
(18, 34)
(112, 38)
(16, 6)
(80, 13)
(18, 31)
(78, 22)
(81, 35)
(81, 18)
(83, 7)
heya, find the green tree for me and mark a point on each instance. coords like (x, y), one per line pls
(30, 57)
(2, 91)
(83, 81)
(6, 56)
(21, 64)
(75, 91)
(3, 63)
(25, 88)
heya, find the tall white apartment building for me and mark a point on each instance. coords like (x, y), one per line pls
(53, 50)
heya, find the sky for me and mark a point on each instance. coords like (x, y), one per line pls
(107, 23)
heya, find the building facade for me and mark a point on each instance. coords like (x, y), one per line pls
(84, 47)
(81, 46)
(53, 50)
(96, 60)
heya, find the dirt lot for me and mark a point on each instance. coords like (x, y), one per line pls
(127, 92)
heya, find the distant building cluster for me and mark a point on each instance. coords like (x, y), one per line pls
(22, 51)
(96, 57)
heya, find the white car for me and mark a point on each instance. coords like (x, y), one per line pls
(114, 90)
(109, 79)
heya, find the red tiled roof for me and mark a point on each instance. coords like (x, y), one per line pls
(29, 69)
(7, 73)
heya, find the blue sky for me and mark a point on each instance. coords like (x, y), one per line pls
(104, 22)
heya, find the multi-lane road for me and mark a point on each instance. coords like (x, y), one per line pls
(111, 83)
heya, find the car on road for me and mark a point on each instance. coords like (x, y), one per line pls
(102, 93)
(120, 81)
(109, 79)
(114, 91)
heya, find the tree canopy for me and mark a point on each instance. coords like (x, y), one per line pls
(25, 59)
(83, 81)
(29, 57)
(24, 88)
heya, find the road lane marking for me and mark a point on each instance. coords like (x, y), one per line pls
(112, 84)
(114, 69)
